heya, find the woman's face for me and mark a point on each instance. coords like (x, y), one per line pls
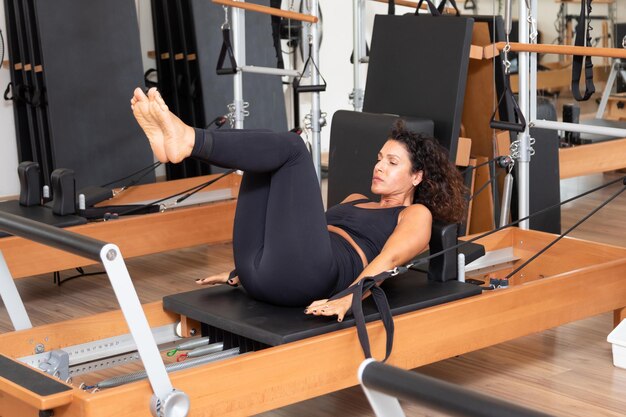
(392, 173)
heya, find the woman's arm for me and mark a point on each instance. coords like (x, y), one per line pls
(409, 238)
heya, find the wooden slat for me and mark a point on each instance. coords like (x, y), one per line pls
(140, 235)
(560, 78)
(282, 375)
(268, 10)
(560, 50)
(82, 330)
(592, 158)
(463, 151)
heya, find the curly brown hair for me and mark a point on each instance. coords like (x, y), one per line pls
(442, 189)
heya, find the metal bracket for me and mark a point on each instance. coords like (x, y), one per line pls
(57, 365)
(11, 298)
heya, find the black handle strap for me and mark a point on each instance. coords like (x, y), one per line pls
(391, 7)
(146, 78)
(227, 48)
(433, 10)
(442, 7)
(298, 88)
(8, 91)
(577, 64)
(519, 125)
(382, 305)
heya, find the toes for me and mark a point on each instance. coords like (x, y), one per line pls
(139, 95)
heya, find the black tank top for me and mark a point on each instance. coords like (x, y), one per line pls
(370, 228)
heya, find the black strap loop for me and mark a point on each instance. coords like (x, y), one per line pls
(391, 7)
(442, 7)
(9, 90)
(433, 10)
(583, 23)
(519, 125)
(227, 48)
(297, 88)
(146, 78)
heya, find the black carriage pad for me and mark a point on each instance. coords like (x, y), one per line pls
(28, 378)
(91, 65)
(40, 214)
(355, 139)
(232, 310)
(418, 67)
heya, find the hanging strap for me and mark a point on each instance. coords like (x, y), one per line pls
(519, 125)
(358, 290)
(308, 88)
(227, 48)
(8, 91)
(391, 7)
(433, 10)
(276, 23)
(146, 78)
(442, 7)
(583, 28)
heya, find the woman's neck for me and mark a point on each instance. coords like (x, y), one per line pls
(395, 200)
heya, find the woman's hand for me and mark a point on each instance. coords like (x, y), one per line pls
(221, 278)
(338, 307)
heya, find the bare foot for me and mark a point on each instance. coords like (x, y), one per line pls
(141, 110)
(178, 138)
(221, 278)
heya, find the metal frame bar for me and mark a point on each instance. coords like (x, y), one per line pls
(11, 298)
(615, 68)
(165, 398)
(358, 48)
(268, 71)
(574, 127)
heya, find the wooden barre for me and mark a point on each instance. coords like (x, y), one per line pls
(405, 3)
(268, 10)
(558, 49)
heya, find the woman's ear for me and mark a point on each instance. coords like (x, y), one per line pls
(417, 178)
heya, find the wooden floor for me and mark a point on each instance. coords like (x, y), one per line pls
(566, 371)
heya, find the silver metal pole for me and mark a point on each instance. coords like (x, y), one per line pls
(533, 66)
(608, 88)
(268, 71)
(11, 298)
(238, 19)
(140, 329)
(574, 127)
(358, 7)
(523, 163)
(316, 114)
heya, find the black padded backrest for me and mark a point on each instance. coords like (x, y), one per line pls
(418, 67)
(91, 65)
(355, 139)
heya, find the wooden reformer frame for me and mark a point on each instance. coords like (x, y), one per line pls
(556, 289)
(138, 235)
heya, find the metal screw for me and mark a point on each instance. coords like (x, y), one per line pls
(111, 254)
(192, 332)
(40, 348)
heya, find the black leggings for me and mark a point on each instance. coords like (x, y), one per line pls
(281, 244)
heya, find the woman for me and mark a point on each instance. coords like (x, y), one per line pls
(287, 251)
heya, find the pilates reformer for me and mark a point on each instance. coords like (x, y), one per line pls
(554, 290)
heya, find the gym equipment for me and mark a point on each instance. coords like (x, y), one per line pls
(398, 81)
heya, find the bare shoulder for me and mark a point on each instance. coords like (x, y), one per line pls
(353, 197)
(416, 213)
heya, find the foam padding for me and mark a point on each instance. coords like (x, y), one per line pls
(30, 379)
(91, 65)
(418, 67)
(231, 309)
(40, 214)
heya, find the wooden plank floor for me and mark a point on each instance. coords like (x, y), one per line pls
(566, 371)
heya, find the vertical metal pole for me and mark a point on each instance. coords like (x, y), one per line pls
(11, 298)
(533, 67)
(358, 7)
(316, 114)
(238, 23)
(523, 169)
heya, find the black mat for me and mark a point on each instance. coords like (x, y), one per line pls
(418, 67)
(30, 379)
(40, 214)
(91, 64)
(232, 310)
(355, 139)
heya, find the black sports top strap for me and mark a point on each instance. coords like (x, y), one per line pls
(433, 10)
(583, 26)
(227, 48)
